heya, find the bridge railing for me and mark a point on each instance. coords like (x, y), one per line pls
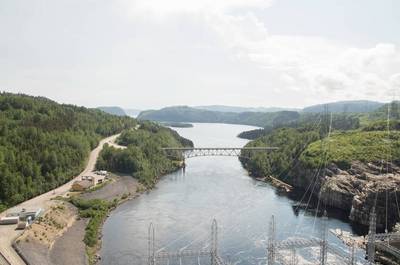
(188, 152)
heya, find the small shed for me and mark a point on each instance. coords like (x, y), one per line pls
(82, 185)
(26, 215)
(22, 225)
(102, 173)
(87, 178)
(9, 220)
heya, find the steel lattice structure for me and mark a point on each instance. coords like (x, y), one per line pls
(380, 241)
(188, 152)
(275, 257)
(154, 256)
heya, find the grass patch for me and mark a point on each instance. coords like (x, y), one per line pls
(344, 148)
(96, 210)
(99, 186)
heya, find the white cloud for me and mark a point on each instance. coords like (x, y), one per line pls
(308, 63)
(314, 64)
(172, 7)
(184, 51)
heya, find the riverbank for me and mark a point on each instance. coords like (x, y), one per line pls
(8, 234)
(58, 237)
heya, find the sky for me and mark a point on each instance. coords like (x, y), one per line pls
(153, 53)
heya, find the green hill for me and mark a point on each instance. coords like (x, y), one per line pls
(188, 114)
(144, 158)
(223, 108)
(113, 110)
(43, 143)
(351, 141)
(355, 106)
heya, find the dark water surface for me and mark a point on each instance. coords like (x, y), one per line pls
(183, 205)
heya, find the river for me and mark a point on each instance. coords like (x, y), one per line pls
(183, 205)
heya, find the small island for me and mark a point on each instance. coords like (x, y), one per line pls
(177, 124)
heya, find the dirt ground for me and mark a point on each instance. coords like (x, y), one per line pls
(118, 186)
(57, 238)
(37, 241)
(69, 248)
(8, 233)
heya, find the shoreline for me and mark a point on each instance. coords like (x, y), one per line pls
(68, 243)
(118, 190)
(8, 234)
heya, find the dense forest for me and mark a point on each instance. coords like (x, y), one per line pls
(351, 106)
(266, 120)
(188, 114)
(354, 137)
(143, 158)
(340, 121)
(43, 144)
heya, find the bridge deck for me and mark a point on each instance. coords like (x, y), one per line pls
(219, 148)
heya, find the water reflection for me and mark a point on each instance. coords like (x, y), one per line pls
(184, 203)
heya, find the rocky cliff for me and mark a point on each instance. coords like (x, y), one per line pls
(356, 189)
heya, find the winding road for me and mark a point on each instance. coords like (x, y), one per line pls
(8, 233)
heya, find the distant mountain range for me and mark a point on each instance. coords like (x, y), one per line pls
(236, 109)
(258, 116)
(230, 114)
(132, 112)
(355, 106)
(189, 114)
(120, 111)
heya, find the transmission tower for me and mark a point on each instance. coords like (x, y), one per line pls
(294, 260)
(371, 236)
(151, 245)
(324, 245)
(214, 242)
(271, 242)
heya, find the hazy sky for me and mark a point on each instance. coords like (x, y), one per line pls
(153, 53)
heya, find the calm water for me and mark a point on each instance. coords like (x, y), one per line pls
(184, 204)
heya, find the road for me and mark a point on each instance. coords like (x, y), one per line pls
(8, 233)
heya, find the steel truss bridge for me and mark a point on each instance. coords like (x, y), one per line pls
(188, 152)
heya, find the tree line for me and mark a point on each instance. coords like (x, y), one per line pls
(144, 158)
(354, 136)
(44, 144)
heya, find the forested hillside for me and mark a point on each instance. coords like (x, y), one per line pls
(188, 114)
(143, 157)
(351, 140)
(43, 144)
(351, 106)
(224, 108)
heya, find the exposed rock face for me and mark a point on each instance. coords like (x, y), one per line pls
(356, 189)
